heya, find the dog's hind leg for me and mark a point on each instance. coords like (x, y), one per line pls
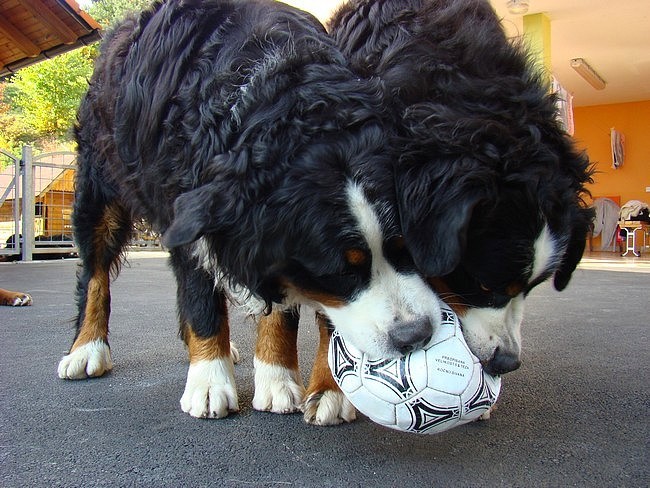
(102, 229)
(278, 385)
(210, 390)
(325, 403)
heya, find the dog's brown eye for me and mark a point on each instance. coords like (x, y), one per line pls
(355, 257)
(514, 289)
(484, 288)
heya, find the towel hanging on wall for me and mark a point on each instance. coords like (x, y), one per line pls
(618, 148)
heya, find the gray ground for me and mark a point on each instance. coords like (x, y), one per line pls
(575, 414)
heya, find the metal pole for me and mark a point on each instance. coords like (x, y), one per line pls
(28, 204)
(17, 244)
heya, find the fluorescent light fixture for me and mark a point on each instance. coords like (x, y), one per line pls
(517, 7)
(588, 73)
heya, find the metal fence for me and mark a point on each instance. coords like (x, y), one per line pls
(10, 182)
(36, 201)
(37, 193)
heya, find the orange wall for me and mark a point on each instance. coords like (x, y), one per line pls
(592, 125)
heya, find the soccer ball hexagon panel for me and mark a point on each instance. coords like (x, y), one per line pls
(427, 391)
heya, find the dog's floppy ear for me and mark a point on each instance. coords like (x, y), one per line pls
(194, 215)
(435, 213)
(446, 169)
(575, 248)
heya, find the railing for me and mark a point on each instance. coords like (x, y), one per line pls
(36, 201)
(10, 192)
(37, 193)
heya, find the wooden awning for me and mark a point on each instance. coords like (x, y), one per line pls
(35, 30)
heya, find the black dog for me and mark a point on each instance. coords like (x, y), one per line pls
(237, 130)
(490, 187)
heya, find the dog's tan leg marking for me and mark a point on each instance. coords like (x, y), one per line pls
(210, 390)
(90, 354)
(95, 324)
(278, 385)
(324, 402)
(14, 298)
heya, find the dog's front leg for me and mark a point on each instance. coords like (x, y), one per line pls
(324, 402)
(210, 390)
(278, 385)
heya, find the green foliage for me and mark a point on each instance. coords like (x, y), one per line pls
(107, 12)
(48, 93)
(14, 132)
(39, 103)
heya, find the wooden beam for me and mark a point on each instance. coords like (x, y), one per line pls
(81, 14)
(39, 10)
(16, 37)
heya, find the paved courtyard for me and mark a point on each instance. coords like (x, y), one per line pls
(575, 414)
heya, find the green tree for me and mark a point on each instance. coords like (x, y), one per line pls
(48, 93)
(107, 12)
(40, 102)
(14, 132)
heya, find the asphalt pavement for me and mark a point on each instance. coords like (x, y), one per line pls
(575, 414)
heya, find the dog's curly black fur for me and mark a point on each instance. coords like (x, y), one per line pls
(487, 166)
(237, 129)
(233, 137)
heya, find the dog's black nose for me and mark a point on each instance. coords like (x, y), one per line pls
(412, 335)
(502, 362)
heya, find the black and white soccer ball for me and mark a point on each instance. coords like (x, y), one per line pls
(427, 391)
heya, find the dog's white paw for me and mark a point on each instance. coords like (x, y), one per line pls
(91, 359)
(210, 391)
(486, 415)
(277, 389)
(21, 300)
(328, 408)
